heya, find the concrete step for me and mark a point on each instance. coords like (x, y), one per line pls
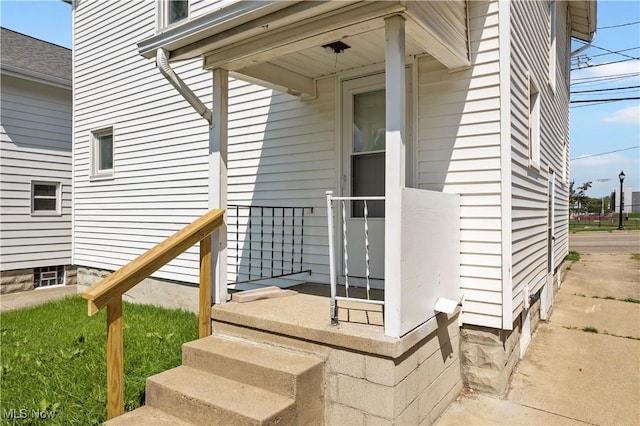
(207, 399)
(146, 416)
(278, 370)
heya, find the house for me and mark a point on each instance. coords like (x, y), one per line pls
(35, 163)
(441, 130)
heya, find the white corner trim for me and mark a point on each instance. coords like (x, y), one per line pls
(504, 37)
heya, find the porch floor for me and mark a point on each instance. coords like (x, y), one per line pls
(305, 316)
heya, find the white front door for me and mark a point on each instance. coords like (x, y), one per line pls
(363, 174)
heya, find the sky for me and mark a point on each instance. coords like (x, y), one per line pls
(597, 129)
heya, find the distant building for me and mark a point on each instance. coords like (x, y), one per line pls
(629, 200)
(35, 163)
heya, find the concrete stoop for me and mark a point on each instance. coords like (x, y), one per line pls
(225, 380)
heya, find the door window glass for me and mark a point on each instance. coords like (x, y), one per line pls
(367, 158)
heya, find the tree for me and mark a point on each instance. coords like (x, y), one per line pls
(577, 197)
(594, 205)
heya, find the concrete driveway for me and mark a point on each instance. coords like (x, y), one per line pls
(583, 366)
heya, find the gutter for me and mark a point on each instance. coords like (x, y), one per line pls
(13, 71)
(162, 62)
(584, 47)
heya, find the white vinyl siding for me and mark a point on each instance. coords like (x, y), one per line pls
(201, 7)
(559, 154)
(458, 137)
(447, 18)
(282, 152)
(160, 175)
(36, 148)
(530, 46)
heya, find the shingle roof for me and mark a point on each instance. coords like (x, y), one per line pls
(30, 54)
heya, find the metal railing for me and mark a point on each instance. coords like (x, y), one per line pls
(265, 242)
(345, 245)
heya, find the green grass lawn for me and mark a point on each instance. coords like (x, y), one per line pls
(53, 358)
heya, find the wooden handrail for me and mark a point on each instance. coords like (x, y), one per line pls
(108, 292)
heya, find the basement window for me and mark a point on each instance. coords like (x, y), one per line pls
(48, 276)
(172, 12)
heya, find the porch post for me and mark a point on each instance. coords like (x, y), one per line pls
(394, 169)
(218, 182)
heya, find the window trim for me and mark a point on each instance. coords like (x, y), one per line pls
(57, 197)
(96, 172)
(162, 18)
(565, 161)
(534, 122)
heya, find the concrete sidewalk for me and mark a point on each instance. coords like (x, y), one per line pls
(569, 375)
(27, 299)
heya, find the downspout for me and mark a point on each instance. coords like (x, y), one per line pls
(162, 62)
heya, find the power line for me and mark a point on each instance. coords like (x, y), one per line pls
(619, 25)
(631, 98)
(607, 63)
(590, 105)
(606, 77)
(575, 58)
(605, 81)
(611, 51)
(604, 153)
(605, 90)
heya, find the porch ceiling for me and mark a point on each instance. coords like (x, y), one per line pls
(364, 49)
(280, 43)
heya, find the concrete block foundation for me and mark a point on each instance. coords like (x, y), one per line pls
(369, 378)
(489, 356)
(18, 280)
(151, 291)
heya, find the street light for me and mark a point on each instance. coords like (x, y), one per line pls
(621, 177)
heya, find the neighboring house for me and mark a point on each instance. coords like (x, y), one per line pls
(457, 112)
(35, 163)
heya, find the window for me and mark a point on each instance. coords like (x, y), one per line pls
(45, 198)
(102, 153)
(48, 276)
(368, 152)
(552, 47)
(172, 11)
(534, 124)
